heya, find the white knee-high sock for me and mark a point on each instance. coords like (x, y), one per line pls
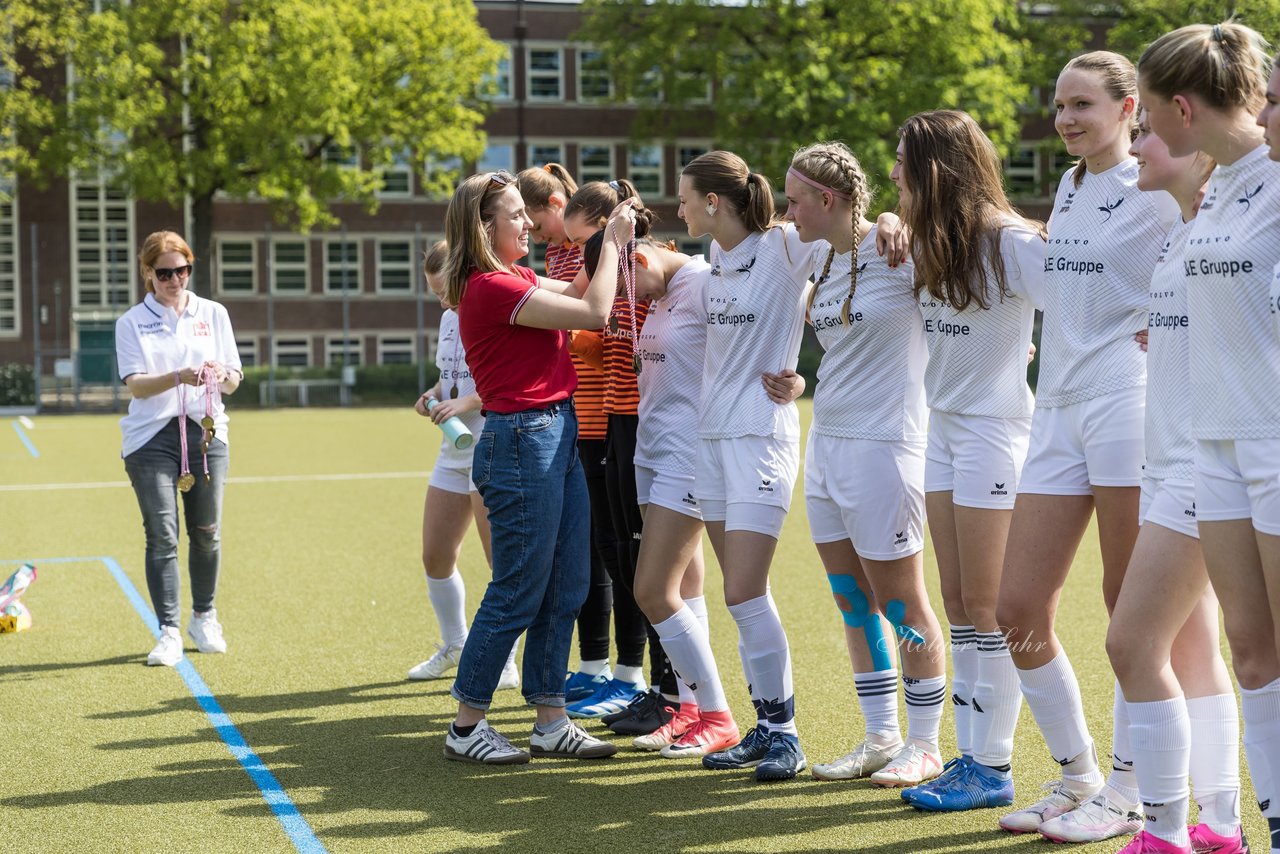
(964, 667)
(1054, 697)
(689, 650)
(511, 656)
(449, 601)
(1261, 711)
(1215, 760)
(997, 700)
(1160, 734)
(766, 653)
(1121, 780)
(878, 699)
(925, 699)
(698, 605)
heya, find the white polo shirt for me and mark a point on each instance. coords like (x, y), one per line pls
(154, 339)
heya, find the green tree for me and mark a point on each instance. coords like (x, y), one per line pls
(249, 98)
(786, 73)
(1140, 22)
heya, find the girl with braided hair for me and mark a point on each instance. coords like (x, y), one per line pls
(864, 468)
(979, 272)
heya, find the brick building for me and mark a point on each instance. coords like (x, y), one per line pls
(351, 292)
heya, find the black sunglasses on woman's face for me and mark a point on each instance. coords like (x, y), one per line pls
(164, 274)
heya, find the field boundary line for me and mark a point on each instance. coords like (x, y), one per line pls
(249, 479)
(26, 440)
(282, 806)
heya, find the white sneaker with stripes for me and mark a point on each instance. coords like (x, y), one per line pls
(569, 742)
(485, 745)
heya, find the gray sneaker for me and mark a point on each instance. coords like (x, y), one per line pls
(569, 742)
(485, 745)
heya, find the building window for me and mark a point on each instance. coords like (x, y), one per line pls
(334, 349)
(292, 352)
(10, 299)
(397, 179)
(694, 87)
(289, 267)
(500, 80)
(236, 266)
(540, 154)
(342, 266)
(341, 155)
(395, 351)
(247, 348)
(102, 245)
(644, 168)
(1022, 171)
(442, 177)
(594, 83)
(595, 163)
(546, 70)
(497, 155)
(395, 266)
(686, 153)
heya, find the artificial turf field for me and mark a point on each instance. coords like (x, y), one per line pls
(325, 608)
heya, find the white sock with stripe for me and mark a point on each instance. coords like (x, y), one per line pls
(1054, 697)
(964, 666)
(925, 698)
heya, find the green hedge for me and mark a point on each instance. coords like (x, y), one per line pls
(17, 385)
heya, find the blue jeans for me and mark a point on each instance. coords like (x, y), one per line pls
(153, 470)
(527, 469)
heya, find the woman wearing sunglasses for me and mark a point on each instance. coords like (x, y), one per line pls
(513, 325)
(176, 353)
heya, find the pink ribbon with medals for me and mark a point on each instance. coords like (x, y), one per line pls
(628, 262)
(207, 377)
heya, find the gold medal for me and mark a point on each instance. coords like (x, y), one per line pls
(453, 392)
(206, 480)
(186, 481)
(635, 363)
(207, 422)
(613, 323)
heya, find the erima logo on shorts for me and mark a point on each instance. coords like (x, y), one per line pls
(764, 486)
(689, 499)
(999, 490)
(1191, 512)
(900, 538)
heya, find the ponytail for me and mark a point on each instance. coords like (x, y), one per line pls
(595, 200)
(746, 194)
(537, 184)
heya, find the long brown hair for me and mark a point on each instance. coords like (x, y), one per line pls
(539, 183)
(956, 208)
(467, 225)
(833, 165)
(747, 194)
(1118, 78)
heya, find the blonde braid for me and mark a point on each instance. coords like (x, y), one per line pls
(861, 201)
(826, 269)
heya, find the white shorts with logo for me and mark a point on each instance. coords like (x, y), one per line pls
(866, 491)
(452, 471)
(746, 482)
(1239, 479)
(1096, 442)
(1169, 502)
(667, 489)
(978, 459)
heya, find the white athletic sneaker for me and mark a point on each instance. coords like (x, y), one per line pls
(569, 742)
(911, 766)
(1061, 799)
(485, 745)
(168, 650)
(1101, 817)
(863, 761)
(206, 631)
(435, 667)
(510, 677)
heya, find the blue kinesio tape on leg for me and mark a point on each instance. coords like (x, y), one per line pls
(896, 613)
(859, 616)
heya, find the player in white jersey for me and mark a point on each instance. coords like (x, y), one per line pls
(1086, 436)
(452, 500)
(979, 275)
(864, 469)
(749, 446)
(1203, 87)
(1163, 638)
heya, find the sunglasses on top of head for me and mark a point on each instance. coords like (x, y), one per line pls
(502, 177)
(164, 274)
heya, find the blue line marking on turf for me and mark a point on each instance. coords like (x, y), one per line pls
(286, 812)
(26, 440)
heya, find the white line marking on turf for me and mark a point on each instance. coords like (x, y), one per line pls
(282, 806)
(276, 478)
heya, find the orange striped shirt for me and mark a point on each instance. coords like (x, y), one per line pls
(563, 261)
(621, 393)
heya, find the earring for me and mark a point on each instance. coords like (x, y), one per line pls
(711, 209)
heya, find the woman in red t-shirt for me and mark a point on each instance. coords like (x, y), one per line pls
(525, 465)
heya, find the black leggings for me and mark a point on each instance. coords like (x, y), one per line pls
(620, 476)
(593, 619)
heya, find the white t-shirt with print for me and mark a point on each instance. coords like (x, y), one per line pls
(1170, 448)
(451, 359)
